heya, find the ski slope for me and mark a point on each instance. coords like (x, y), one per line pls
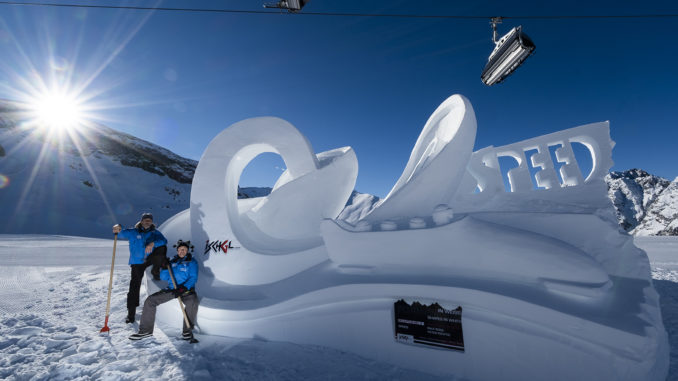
(52, 305)
(53, 300)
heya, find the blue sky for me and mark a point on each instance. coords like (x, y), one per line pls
(178, 79)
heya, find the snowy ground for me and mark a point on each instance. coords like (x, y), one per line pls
(52, 305)
(663, 254)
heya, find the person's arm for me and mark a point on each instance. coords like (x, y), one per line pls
(122, 233)
(156, 239)
(160, 239)
(164, 273)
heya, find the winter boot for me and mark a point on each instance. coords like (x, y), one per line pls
(187, 335)
(140, 335)
(130, 317)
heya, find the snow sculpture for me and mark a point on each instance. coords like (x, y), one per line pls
(278, 235)
(439, 158)
(539, 280)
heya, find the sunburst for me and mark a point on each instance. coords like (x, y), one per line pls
(57, 110)
(59, 98)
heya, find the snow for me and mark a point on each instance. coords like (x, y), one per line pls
(549, 286)
(81, 185)
(53, 299)
(357, 207)
(542, 269)
(436, 163)
(662, 215)
(645, 204)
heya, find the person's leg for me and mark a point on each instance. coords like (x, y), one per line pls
(155, 259)
(191, 308)
(133, 293)
(150, 306)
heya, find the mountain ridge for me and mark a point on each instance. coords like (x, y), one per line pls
(645, 204)
(122, 175)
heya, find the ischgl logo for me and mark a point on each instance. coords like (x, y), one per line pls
(219, 246)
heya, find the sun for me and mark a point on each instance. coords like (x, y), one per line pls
(57, 110)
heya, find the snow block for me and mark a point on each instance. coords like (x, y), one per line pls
(538, 279)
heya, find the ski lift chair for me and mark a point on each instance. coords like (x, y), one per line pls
(509, 52)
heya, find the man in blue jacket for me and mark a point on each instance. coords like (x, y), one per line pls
(185, 271)
(147, 246)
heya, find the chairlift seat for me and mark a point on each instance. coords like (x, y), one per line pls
(509, 53)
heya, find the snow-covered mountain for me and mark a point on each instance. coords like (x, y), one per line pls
(357, 207)
(80, 183)
(645, 204)
(54, 186)
(662, 216)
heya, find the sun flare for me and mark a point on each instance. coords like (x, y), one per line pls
(57, 111)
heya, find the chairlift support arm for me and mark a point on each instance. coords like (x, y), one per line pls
(494, 21)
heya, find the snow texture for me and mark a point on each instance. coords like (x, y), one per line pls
(549, 285)
(436, 165)
(53, 299)
(357, 207)
(52, 304)
(662, 215)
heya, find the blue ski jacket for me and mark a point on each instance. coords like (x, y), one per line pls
(185, 272)
(138, 239)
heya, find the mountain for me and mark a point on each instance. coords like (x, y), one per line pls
(357, 206)
(662, 216)
(82, 182)
(645, 204)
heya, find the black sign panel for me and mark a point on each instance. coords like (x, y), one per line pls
(428, 325)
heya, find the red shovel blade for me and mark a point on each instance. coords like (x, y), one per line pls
(105, 329)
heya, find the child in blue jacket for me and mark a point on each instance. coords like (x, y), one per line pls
(185, 271)
(147, 246)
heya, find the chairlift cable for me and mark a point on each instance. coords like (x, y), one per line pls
(216, 10)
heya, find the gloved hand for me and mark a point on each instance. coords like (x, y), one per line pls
(165, 263)
(180, 290)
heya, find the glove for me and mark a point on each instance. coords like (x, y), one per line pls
(165, 263)
(180, 290)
